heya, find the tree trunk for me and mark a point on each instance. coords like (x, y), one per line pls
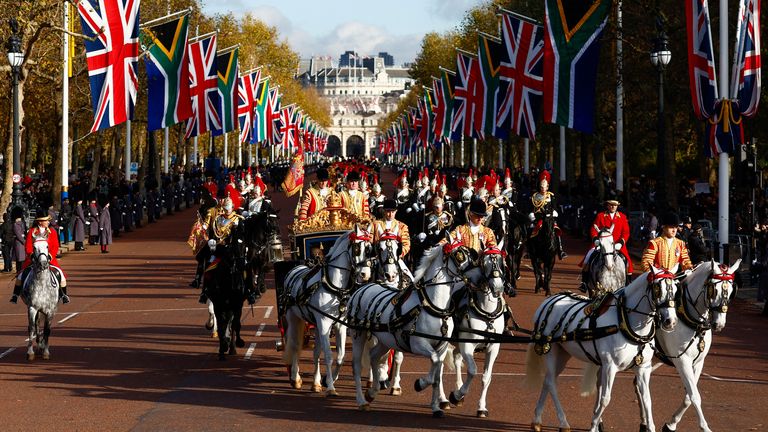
(5, 199)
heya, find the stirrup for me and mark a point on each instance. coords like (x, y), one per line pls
(64, 298)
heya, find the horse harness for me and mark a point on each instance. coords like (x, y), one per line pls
(593, 309)
(700, 324)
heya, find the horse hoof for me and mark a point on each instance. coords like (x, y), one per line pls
(383, 385)
(396, 391)
(643, 428)
(455, 400)
(536, 427)
(209, 323)
(445, 405)
(600, 427)
(368, 396)
(46, 356)
(482, 413)
(298, 383)
(418, 386)
(438, 414)
(331, 393)
(666, 428)
(215, 335)
(239, 343)
(364, 407)
(317, 388)
(31, 357)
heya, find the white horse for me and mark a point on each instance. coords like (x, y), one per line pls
(41, 295)
(317, 296)
(482, 308)
(702, 307)
(608, 271)
(614, 342)
(410, 321)
(392, 273)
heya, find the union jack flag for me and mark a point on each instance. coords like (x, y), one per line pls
(466, 94)
(701, 63)
(247, 89)
(111, 28)
(203, 87)
(747, 62)
(290, 127)
(520, 70)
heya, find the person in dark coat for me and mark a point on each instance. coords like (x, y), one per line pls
(79, 227)
(138, 208)
(105, 228)
(19, 241)
(115, 215)
(93, 222)
(697, 250)
(65, 220)
(9, 237)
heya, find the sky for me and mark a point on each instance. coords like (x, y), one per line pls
(330, 27)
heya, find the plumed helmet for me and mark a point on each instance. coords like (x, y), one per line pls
(226, 201)
(376, 187)
(545, 175)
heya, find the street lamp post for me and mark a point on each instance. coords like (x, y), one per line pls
(15, 59)
(660, 58)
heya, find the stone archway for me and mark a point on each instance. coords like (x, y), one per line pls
(334, 146)
(355, 146)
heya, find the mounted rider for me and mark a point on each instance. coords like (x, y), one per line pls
(436, 223)
(616, 221)
(376, 199)
(210, 185)
(544, 206)
(474, 234)
(390, 227)
(219, 224)
(666, 250)
(352, 198)
(258, 202)
(41, 231)
(232, 192)
(315, 197)
(509, 190)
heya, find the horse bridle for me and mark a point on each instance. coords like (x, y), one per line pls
(392, 256)
(658, 298)
(613, 250)
(365, 237)
(497, 269)
(36, 254)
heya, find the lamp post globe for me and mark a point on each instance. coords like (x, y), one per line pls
(660, 56)
(15, 59)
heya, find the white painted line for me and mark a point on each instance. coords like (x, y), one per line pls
(734, 380)
(69, 317)
(249, 353)
(268, 312)
(8, 351)
(261, 329)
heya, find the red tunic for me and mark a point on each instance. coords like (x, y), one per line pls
(620, 225)
(212, 188)
(53, 246)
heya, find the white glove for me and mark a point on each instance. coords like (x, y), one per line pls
(422, 237)
(422, 206)
(596, 242)
(415, 206)
(618, 246)
(554, 213)
(458, 204)
(531, 217)
(408, 210)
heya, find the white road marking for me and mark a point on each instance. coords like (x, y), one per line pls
(268, 312)
(69, 317)
(261, 329)
(8, 351)
(249, 353)
(734, 380)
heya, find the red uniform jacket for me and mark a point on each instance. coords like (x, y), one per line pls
(53, 246)
(212, 188)
(620, 225)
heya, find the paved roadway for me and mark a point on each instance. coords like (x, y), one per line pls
(130, 353)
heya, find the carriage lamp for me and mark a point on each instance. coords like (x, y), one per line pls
(275, 249)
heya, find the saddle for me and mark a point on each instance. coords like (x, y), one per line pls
(26, 277)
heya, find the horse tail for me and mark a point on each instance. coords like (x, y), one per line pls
(589, 379)
(294, 340)
(450, 366)
(534, 369)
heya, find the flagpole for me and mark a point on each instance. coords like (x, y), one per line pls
(723, 168)
(194, 150)
(474, 152)
(501, 153)
(527, 156)
(240, 152)
(226, 149)
(65, 111)
(461, 156)
(562, 155)
(127, 155)
(166, 140)
(619, 98)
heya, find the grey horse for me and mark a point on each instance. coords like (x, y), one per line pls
(41, 295)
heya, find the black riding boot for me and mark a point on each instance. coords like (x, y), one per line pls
(63, 295)
(79, 246)
(203, 297)
(560, 251)
(584, 280)
(16, 292)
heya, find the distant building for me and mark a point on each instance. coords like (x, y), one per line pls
(350, 58)
(389, 61)
(359, 97)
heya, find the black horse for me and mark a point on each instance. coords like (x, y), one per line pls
(517, 233)
(258, 231)
(542, 249)
(225, 287)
